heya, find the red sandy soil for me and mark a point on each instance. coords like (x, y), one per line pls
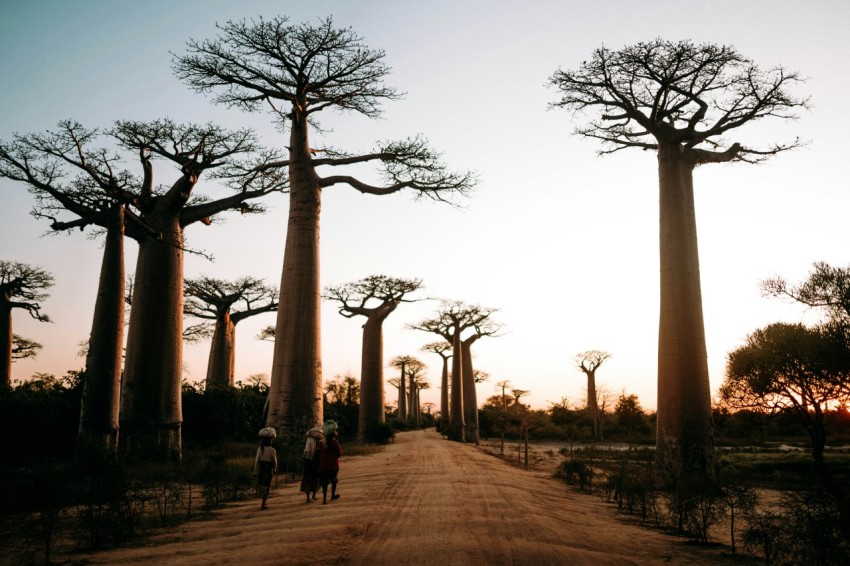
(421, 500)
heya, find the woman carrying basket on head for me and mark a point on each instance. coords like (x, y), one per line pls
(265, 464)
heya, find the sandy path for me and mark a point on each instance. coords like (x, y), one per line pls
(423, 500)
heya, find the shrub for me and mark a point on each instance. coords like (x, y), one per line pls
(379, 433)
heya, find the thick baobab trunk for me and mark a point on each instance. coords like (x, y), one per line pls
(592, 402)
(6, 340)
(221, 365)
(470, 397)
(151, 411)
(402, 395)
(102, 382)
(456, 420)
(371, 378)
(444, 396)
(295, 395)
(685, 440)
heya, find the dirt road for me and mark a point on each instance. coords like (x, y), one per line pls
(423, 500)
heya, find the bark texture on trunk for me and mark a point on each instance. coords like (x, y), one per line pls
(99, 424)
(371, 377)
(456, 420)
(295, 395)
(470, 396)
(222, 360)
(151, 411)
(6, 340)
(685, 437)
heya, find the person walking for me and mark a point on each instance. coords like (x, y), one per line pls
(265, 464)
(329, 454)
(310, 475)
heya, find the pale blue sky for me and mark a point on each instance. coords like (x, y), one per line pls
(562, 241)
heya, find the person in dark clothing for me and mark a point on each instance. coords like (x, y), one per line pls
(310, 475)
(329, 454)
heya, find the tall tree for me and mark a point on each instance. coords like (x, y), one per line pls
(442, 349)
(22, 286)
(298, 71)
(374, 297)
(405, 365)
(227, 303)
(417, 382)
(451, 320)
(151, 413)
(679, 99)
(799, 370)
(485, 327)
(68, 174)
(588, 362)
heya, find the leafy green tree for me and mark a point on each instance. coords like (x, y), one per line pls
(803, 371)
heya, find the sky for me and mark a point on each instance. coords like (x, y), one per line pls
(562, 241)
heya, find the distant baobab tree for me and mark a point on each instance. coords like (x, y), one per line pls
(417, 382)
(374, 297)
(451, 320)
(299, 71)
(24, 348)
(22, 286)
(679, 99)
(406, 365)
(588, 362)
(226, 303)
(151, 414)
(442, 349)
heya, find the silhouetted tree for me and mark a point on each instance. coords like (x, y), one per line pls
(588, 362)
(22, 286)
(679, 99)
(68, 174)
(442, 349)
(827, 288)
(374, 297)
(300, 70)
(151, 415)
(452, 319)
(227, 303)
(23, 348)
(804, 371)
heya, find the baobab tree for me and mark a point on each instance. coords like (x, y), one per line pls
(406, 365)
(485, 327)
(679, 100)
(374, 297)
(78, 184)
(299, 71)
(416, 383)
(227, 303)
(451, 320)
(22, 286)
(151, 413)
(588, 362)
(442, 349)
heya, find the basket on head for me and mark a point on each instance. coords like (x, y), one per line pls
(329, 427)
(268, 432)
